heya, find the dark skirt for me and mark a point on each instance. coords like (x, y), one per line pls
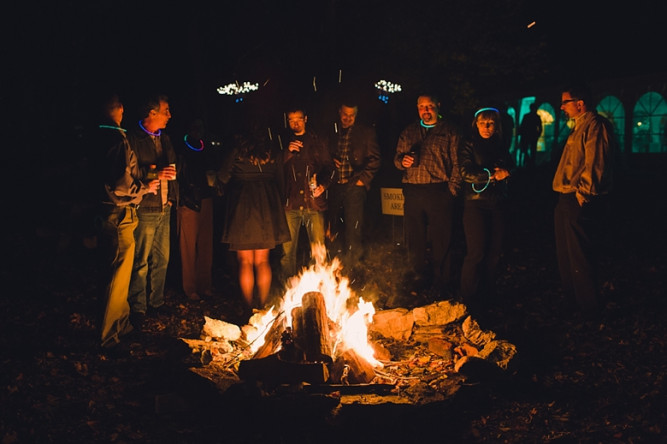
(254, 216)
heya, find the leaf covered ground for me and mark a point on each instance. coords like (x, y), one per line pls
(575, 380)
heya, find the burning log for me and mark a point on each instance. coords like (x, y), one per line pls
(350, 368)
(300, 353)
(272, 339)
(310, 325)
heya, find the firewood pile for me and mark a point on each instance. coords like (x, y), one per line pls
(423, 355)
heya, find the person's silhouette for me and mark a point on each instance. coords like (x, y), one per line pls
(530, 131)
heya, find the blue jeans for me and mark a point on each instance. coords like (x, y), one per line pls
(314, 223)
(150, 260)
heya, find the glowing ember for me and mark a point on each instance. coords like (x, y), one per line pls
(350, 313)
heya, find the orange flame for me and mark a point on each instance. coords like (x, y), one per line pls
(350, 313)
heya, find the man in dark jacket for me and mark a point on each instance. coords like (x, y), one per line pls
(356, 155)
(308, 172)
(156, 156)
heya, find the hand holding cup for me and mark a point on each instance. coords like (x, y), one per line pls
(168, 172)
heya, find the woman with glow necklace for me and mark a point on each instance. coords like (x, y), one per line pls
(485, 163)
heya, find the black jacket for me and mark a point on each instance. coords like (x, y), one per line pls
(143, 146)
(364, 153)
(477, 160)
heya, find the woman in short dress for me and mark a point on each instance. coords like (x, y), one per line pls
(254, 221)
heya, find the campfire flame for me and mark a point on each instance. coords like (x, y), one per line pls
(350, 313)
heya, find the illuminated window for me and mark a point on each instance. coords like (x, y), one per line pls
(648, 124)
(612, 108)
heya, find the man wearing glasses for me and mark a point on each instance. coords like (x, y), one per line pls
(583, 180)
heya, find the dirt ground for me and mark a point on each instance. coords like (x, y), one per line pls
(576, 381)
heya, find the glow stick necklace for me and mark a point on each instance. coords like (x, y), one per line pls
(148, 132)
(201, 144)
(114, 127)
(426, 125)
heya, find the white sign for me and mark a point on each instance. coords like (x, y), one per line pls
(392, 201)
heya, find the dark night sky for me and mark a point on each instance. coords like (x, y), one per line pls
(59, 53)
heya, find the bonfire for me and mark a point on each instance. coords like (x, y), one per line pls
(321, 333)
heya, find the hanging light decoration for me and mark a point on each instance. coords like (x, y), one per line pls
(238, 90)
(385, 89)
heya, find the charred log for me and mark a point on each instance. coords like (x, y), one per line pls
(273, 371)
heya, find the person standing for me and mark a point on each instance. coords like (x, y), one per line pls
(308, 170)
(123, 191)
(485, 166)
(156, 158)
(530, 131)
(255, 220)
(427, 153)
(196, 181)
(583, 181)
(356, 155)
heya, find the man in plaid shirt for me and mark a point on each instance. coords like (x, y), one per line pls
(356, 155)
(427, 153)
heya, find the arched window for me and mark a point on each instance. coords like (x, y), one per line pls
(612, 108)
(546, 140)
(648, 124)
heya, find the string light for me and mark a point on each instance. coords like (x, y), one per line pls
(148, 132)
(385, 88)
(233, 89)
(388, 87)
(201, 144)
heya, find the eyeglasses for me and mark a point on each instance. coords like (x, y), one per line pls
(565, 102)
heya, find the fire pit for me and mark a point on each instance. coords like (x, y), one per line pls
(325, 340)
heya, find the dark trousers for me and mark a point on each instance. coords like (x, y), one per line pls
(577, 230)
(195, 241)
(346, 220)
(428, 214)
(484, 227)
